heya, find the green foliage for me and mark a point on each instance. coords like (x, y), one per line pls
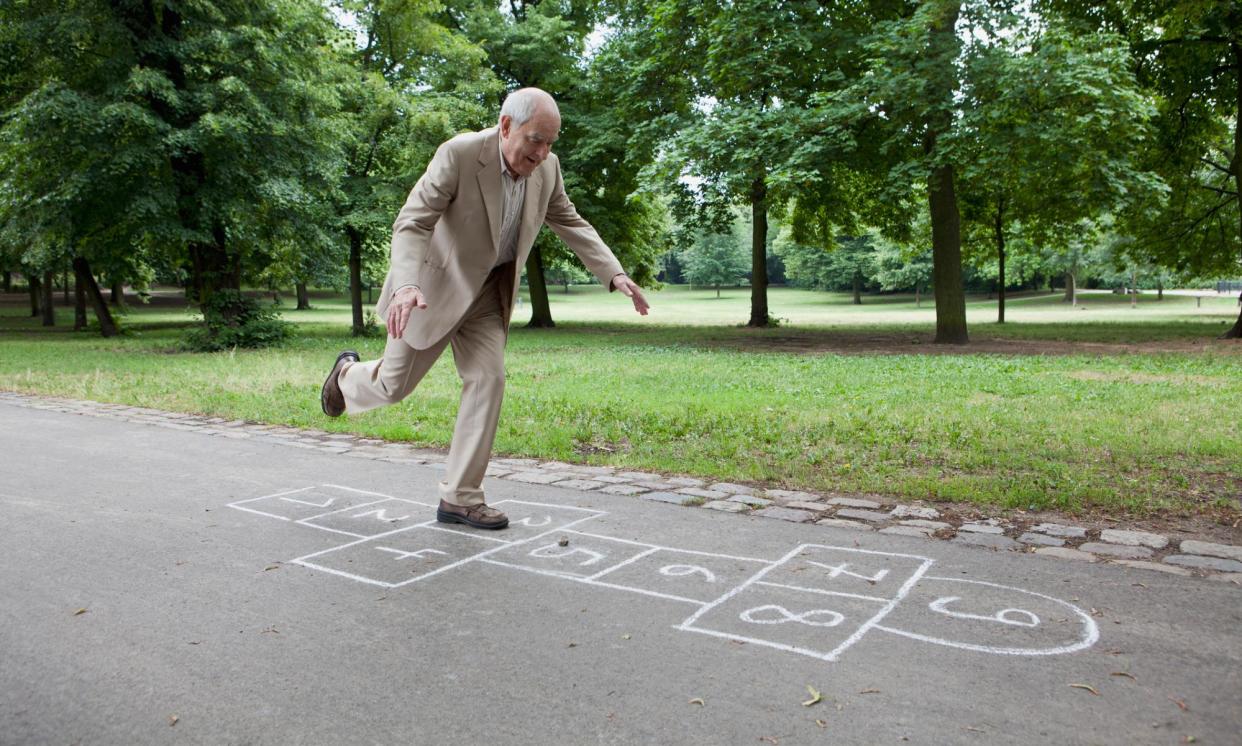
(231, 320)
(716, 259)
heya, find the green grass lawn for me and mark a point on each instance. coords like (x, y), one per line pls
(1133, 415)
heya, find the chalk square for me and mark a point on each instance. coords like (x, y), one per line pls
(372, 519)
(845, 570)
(699, 577)
(814, 624)
(583, 556)
(307, 502)
(989, 617)
(401, 557)
(530, 519)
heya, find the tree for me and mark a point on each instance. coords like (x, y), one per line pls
(715, 259)
(1048, 135)
(193, 131)
(751, 65)
(1189, 54)
(414, 83)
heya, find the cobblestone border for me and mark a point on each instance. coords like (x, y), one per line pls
(1137, 549)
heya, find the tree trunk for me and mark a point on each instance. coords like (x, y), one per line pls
(857, 280)
(1235, 332)
(1134, 289)
(942, 199)
(79, 303)
(303, 296)
(8, 281)
(358, 328)
(118, 293)
(759, 254)
(36, 292)
(49, 312)
(999, 227)
(1159, 289)
(1071, 288)
(82, 268)
(540, 311)
(64, 285)
(918, 298)
(718, 291)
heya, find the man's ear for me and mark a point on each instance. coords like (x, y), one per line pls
(506, 122)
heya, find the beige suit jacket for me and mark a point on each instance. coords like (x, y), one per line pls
(446, 237)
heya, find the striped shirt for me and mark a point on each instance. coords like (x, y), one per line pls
(514, 198)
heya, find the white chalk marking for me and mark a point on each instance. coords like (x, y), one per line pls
(325, 504)
(831, 656)
(674, 549)
(238, 503)
(591, 581)
(681, 571)
(342, 573)
(786, 616)
(527, 522)
(822, 592)
(381, 514)
(405, 555)
(550, 551)
(493, 550)
(360, 540)
(619, 565)
(1001, 616)
(837, 570)
(1090, 638)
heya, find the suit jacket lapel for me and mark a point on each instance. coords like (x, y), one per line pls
(489, 184)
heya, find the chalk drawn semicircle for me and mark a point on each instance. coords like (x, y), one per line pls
(1091, 636)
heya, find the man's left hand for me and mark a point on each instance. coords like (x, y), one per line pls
(632, 291)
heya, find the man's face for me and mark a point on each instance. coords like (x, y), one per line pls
(527, 146)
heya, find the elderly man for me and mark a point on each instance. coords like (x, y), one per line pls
(457, 244)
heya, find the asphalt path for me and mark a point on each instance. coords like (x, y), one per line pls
(244, 592)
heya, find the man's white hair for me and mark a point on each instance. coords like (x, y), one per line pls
(520, 105)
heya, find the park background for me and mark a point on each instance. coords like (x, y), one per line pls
(981, 252)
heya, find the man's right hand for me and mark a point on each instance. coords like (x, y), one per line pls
(404, 301)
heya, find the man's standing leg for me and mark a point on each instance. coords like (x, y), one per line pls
(479, 352)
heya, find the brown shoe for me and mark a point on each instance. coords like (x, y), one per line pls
(479, 516)
(330, 396)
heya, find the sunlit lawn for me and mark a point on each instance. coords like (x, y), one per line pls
(688, 391)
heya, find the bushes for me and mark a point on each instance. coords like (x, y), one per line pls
(233, 320)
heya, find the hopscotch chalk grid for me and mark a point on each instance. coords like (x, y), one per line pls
(816, 600)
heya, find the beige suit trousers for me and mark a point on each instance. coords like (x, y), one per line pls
(478, 343)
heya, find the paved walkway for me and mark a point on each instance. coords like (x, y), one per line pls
(1146, 550)
(166, 579)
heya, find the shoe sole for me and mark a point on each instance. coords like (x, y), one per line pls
(443, 517)
(323, 391)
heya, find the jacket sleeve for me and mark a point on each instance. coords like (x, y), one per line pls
(579, 235)
(411, 233)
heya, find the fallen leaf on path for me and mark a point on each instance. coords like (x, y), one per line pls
(79, 612)
(625, 637)
(697, 701)
(572, 645)
(976, 730)
(870, 691)
(271, 567)
(172, 720)
(816, 697)
(769, 739)
(1182, 705)
(1122, 673)
(1087, 687)
(562, 542)
(821, 723)
(194, 642)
